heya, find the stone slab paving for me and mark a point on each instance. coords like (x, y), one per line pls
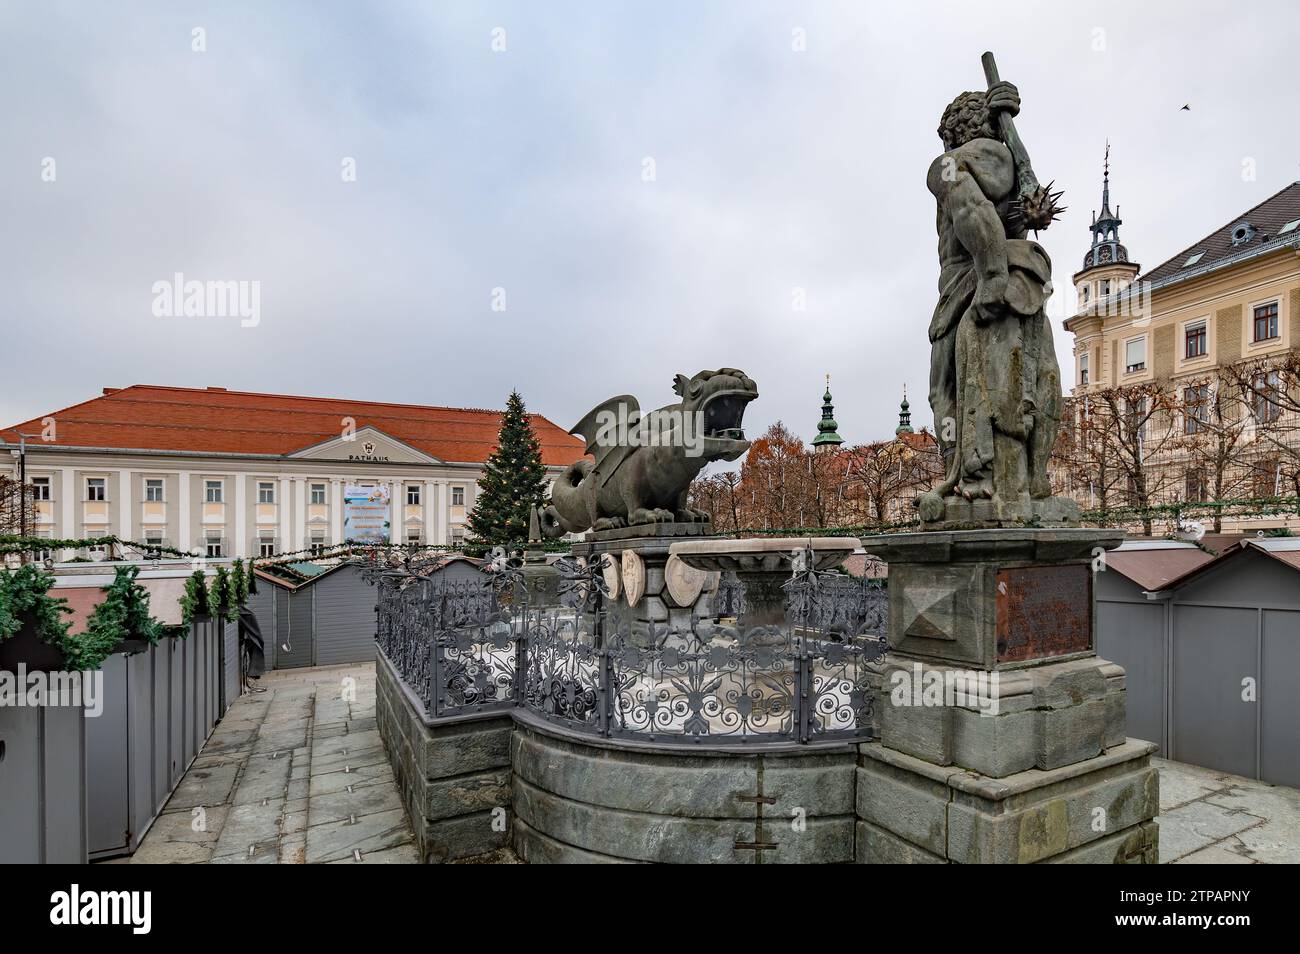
(296, 774)
(1210, 817)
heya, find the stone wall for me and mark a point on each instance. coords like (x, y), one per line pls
(596, 802)
(454, 779)
(1094, 812)
(474, 787)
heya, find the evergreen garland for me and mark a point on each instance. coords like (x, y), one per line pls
(195, 602)
(239, 581)
(513, 482)
(25, 593)
(223, 598)
(124, 614)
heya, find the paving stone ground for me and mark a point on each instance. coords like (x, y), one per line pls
(1210, 817)
(296, 774)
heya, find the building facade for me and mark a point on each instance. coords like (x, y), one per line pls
(1173, 399)
(236, 474)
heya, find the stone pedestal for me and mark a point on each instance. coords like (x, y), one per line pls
(995, 710)
(647, 585)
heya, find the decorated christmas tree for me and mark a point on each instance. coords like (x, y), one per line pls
(512, 483)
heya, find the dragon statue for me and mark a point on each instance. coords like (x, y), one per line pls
(644, 463)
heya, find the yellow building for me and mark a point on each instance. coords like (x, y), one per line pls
(1169, 344)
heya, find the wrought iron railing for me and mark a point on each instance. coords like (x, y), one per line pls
(585, 666)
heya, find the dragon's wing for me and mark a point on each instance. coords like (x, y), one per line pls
(599, 427)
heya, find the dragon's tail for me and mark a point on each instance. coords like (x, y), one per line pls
(567, 511)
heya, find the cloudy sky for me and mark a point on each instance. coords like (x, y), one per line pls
(524, 169)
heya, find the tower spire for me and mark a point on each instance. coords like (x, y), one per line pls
(827, 439)
(1106, 247)
(904, 415)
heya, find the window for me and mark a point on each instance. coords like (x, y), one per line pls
(1194, 340)
(212, 491)
(1194, 487)
(266, 492)
(413, 495)
(1135, 355)
(1196, 408)
(1137, 418)
(213, 547)
(95, 488)
(152, 538)
(1265, 321)
(43, 554)
(1267, 478)
(1086, 289)
(458, 496)
(1266, 406)
(413, 537)
(266, 546)
(317, 493)
(153, 490)
(317, 544)
(1105, 287)
(40, 488)
(1083, 369)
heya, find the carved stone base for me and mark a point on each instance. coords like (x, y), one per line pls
(1100, 811)
(956, 513)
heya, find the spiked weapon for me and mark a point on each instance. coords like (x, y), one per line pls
(1036, 206)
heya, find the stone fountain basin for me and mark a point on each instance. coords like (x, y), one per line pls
(762, 554)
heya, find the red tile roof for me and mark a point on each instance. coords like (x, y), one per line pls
(214, 420)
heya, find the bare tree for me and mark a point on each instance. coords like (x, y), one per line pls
(1215, 428)
(1271, 390)
(885, 477)
(1133, 429)
(17, 507)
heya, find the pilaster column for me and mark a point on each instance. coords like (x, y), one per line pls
(336, 510)
(396, 504)
(442, 513)
(300, 512)
(283, 508)
(430, 501)
(184, 511)
(241, 545)
(124, 504)
(67, 508)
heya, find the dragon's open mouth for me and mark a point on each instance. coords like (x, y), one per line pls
(724, 414)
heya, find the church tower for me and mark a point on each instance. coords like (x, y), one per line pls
(904, 416)
(827, 439)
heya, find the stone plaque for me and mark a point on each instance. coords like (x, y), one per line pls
(633, 577)
(685, 583)
(611, 571)
(1043, 611)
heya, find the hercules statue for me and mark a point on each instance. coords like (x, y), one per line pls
(995, 387)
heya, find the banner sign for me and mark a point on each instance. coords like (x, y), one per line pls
(366, 513)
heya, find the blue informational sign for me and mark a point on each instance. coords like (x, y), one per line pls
(367, 513)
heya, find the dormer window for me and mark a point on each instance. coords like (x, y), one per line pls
(1242, 233)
